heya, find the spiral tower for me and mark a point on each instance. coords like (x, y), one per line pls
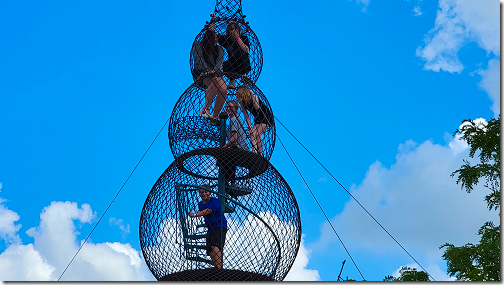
(263, 221)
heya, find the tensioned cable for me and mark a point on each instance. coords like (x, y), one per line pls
(113, 199)
(351, 196)
(323, 212)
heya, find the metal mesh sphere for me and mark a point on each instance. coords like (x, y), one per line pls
(264, 229)
(255, 54)
(228, 9)
(189, 131)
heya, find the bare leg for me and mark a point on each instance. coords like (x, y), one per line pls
(221, 90)
(216, 257)
(256, 137)
(209, 92)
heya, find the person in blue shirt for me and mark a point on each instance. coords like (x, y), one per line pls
(210, 209)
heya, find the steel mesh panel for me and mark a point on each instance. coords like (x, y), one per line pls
(188, 131)
(265, 244)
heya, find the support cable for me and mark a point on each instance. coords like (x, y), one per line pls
(350, 196)
(113, 199)
(321, 209)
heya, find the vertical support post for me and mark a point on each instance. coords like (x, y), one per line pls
(222, 179)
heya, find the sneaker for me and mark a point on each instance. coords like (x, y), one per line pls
(214, 121)
(232, 84)
(245, 79)
(205, 113)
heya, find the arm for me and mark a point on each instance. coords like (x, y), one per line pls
(199, 60)
(246, 115)
(240, 42)
(255, 102)
(243, 45)
(211, 25)
(220, 60)
(232, 140)
(200, 213)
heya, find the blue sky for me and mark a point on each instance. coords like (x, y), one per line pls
(374, 90)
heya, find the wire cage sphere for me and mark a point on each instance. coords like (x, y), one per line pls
(255, 55)
(263, 236)
(188, 131)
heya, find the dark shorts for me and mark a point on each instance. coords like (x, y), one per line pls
(214, 238)
(196, 73)
(264, 118)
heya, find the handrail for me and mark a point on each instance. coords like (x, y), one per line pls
(247, 209)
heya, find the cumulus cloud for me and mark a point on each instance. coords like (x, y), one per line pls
(417, 201)
(125, 228)
(55, 243)
(490, 83)
(457, 23)
(299, 272)
(8, 228)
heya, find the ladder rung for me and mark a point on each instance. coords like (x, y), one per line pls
(195, 236)
(198, 246)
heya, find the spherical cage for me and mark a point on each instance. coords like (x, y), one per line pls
(264, 227)
(255, 51)
(188, 130)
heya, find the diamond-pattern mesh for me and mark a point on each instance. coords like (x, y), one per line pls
(230, 152)
(264, 229)
(188, 131)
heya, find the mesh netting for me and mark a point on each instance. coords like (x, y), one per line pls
(188, 130)
(222, 134)
(264, 229)
(236, 62)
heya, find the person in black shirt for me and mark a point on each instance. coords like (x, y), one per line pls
(237, 47)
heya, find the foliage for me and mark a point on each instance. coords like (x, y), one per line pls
(486, 140)
(479, 262)
(408, 274)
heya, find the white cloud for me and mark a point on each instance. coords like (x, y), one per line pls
(364, 4)
(56, 243)
(418, 203)
(417, 11)
(299, 272)
(322, 179)
(125, 229)
(8, 229)
(457, 23)
(490, 83)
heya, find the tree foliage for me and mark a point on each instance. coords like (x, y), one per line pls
(480, 262)
(408, 274)
(486, 141)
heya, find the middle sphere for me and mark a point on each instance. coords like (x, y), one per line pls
(188, 131)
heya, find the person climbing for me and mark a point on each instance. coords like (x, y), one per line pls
(235, 133)
(210, 209)
(208, 58)
(263, 118)
(237, 46)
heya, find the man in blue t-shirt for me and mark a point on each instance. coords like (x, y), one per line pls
(209, 208)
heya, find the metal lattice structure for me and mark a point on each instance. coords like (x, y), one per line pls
(230, 153)
(189, 131)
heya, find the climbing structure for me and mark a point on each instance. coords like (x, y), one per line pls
(264, 227)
